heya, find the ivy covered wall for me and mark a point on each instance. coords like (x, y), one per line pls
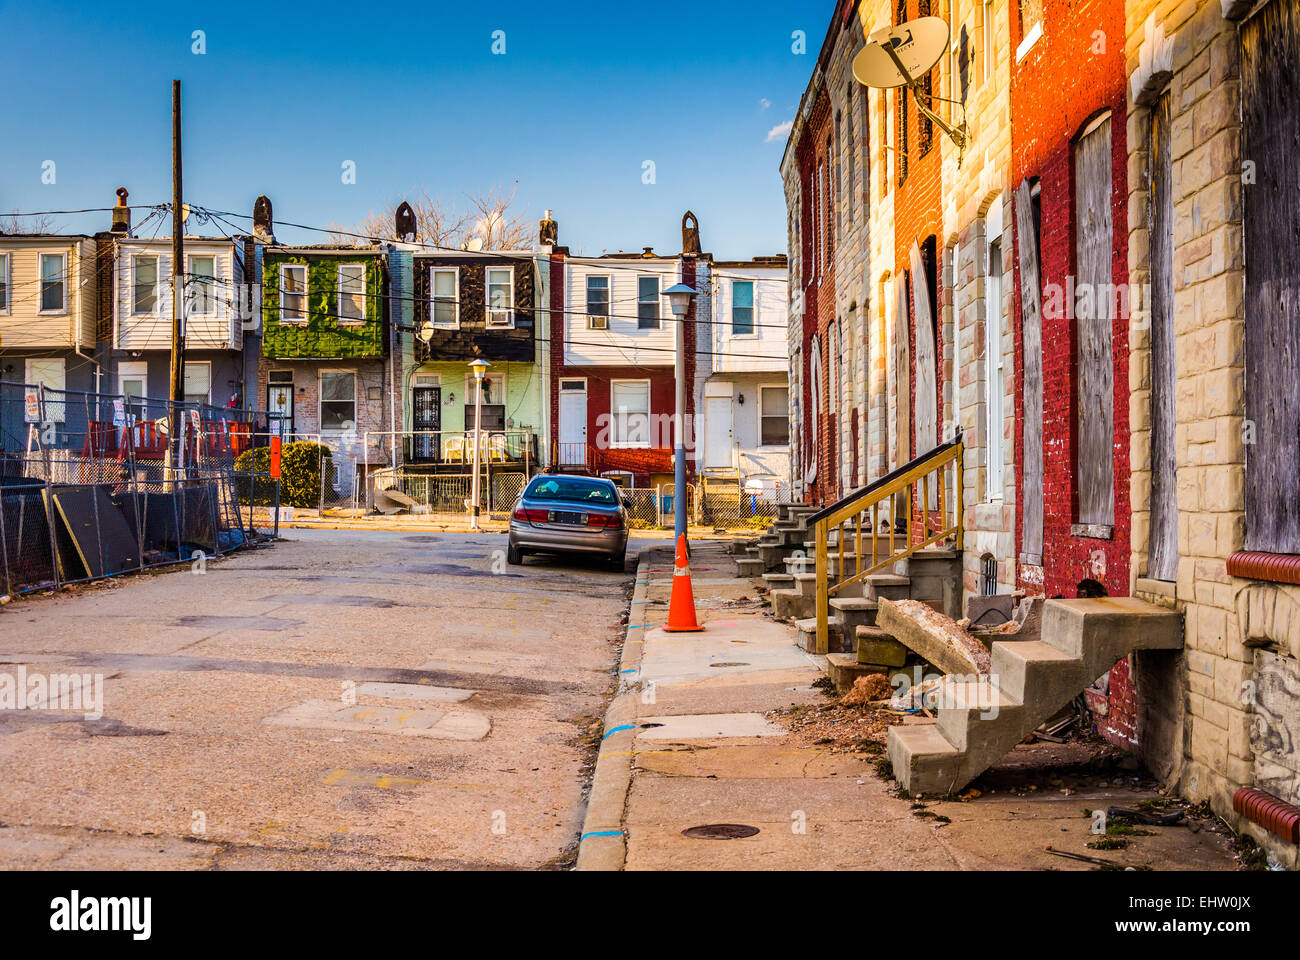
(323, 336)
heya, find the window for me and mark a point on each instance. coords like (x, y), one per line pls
(293, 293)
(500, 296)
(352, 292)
(338, 400)
(630, 409)
(203, 274)
(133, 385)
(53, 288)
(598, 302)
(1031, 25)
(4, 283)
(850, 194)
(50, 375)
(198, 381)
(144, 297)
(494, 401)
(742, 308)
(445, 284)
(647, 303)
(773, 416)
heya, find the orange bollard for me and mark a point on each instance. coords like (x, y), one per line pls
(681, 604)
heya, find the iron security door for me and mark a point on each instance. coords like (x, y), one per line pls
(426, 418)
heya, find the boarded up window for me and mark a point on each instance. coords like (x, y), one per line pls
(926, 378)
(1031, 304)
(1095, 387)
(902, 374)
(1163, 561)
(1270, 88)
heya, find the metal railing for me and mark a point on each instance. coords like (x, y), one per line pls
(917, 499)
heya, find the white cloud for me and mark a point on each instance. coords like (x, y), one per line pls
(780, 131)
(764, 103)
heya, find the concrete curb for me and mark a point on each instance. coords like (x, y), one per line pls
(603, 845)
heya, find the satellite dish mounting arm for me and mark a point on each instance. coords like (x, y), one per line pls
(958, 134)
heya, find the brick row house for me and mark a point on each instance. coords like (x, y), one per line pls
(1098, 289)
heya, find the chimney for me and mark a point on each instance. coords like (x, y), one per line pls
(549, 233)
(647, 251)
(690, 235)
(263, 227)
(121, 213)
(405, 223)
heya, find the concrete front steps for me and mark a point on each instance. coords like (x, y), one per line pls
(980, 720)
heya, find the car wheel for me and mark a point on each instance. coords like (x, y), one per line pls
(618, 561)
(514, 555)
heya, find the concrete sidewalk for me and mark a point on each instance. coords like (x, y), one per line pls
(688, 743)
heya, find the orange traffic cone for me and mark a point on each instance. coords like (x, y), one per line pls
(681, 605)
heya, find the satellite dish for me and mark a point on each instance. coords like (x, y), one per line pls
(475, 244)
(916, 46)
(185, 212)
(903, 56)
(425, 333)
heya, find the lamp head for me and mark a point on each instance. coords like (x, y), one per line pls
(679, 298)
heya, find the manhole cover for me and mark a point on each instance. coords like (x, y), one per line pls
(720, 831)
(729, 663)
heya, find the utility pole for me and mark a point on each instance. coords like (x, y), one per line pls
(175, 422)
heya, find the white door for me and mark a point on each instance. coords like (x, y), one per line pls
(718, 440)
(573, 422)
(133, 383)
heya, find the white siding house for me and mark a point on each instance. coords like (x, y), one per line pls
(616, 314)
(142, 301)
(743, 422)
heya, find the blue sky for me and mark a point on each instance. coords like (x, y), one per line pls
(286, 92)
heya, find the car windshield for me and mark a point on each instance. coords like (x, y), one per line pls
(572, 488)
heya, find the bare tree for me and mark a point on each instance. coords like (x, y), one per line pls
(13, 223)
(485, 222)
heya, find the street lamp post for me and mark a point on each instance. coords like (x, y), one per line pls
(679, 301)
(479, 367)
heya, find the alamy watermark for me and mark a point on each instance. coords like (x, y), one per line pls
(74, 692)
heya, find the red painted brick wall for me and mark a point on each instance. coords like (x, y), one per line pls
(1073, 72)
(918, 214)
(1059, 86)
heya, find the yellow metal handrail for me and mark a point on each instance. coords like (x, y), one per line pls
(923, 527)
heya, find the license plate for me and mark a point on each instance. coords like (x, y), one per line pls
(566, 516)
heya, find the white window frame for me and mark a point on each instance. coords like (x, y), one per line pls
(6, 278)
(488, 310)
(488, 380)
(191, 279)
(338, 293)
(198, 363)
(753, 310)
(758, 415)
(40, 281)
(157, 300)
(133, 370)
(434, 300)
(321, 401)
(658, 301)
(988, 55)
(306, 294)
(616, 444)
(586, 298)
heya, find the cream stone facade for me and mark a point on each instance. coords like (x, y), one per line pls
(1237, 722)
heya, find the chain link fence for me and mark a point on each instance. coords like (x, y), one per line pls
(92, 485)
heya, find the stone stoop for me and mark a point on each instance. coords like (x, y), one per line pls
(980, 720)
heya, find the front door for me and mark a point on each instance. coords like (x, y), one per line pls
(573, 423)
(279, 403)
(719, 432)
(133, 384)
(426, 420)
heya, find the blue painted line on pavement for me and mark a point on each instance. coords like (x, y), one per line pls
(601, 833)
(627, 671)
(614, 730)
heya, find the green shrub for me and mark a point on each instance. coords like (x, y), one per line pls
(301, 466)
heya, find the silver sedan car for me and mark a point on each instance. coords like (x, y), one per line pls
(559, 513)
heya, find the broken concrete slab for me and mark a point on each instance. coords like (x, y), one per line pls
(935, 637)
(414, 691)
(989, 611)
